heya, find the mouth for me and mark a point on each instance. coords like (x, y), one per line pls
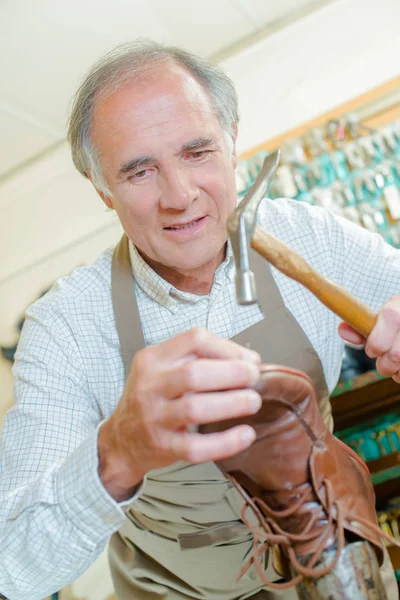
(189, 225)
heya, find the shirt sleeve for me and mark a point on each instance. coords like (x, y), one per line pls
(371, 267)
(360, 261)
(349, 255)
(55, 515)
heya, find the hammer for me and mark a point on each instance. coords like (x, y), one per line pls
(244, 232)
(356, 576)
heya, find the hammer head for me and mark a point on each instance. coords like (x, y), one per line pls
(241, 225)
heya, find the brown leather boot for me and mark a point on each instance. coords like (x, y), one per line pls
(307, 490)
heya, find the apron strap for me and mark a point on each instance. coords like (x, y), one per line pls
(268, 294)
(126, 311)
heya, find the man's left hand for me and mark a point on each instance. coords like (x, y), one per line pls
(383, 343)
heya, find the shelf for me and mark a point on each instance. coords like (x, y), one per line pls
(394, 553)
(387, 490)
(358, 405)
(384, 462)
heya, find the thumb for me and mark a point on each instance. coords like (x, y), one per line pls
(349, 334)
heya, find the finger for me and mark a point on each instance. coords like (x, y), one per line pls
(385, 366)
(208, 408)
(198, 448)
(394, 352)
(396, 378)
(349, 334)
(389, 363)
(203, 375)
(384, 333)
(201, 343)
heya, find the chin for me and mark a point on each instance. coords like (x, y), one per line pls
(190, 257)
(187, 261)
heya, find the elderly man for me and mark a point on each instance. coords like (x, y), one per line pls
(100, 444)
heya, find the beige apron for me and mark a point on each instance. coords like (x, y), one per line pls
(183, 537)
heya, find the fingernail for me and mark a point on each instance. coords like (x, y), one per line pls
(248, 435)
(254, 373)
(254, 402)
(251, 356)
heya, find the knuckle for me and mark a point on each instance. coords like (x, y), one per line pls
(382, 367)
(247, 372)
(198, 335)
(394, 355)
(190, 410)
(188, 374)
(191, 454)
(141, 359)
(370, 350)
(391, 314)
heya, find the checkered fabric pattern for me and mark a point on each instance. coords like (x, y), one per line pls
(55, 516)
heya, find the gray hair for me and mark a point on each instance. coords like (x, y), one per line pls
(132, 61)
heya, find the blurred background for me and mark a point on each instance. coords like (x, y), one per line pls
(297, 64)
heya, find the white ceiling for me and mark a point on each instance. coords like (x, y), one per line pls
(47, 45)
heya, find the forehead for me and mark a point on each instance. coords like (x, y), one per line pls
(166, 106)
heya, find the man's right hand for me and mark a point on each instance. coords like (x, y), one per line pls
(193, 378)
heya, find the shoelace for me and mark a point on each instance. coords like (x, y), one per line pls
(268, 534)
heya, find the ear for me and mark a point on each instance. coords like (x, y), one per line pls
(106, 199)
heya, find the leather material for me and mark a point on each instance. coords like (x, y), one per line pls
(306, 488)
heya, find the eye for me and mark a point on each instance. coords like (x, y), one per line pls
(199, 154)
(140, 175)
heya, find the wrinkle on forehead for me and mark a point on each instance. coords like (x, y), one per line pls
(155, 106)
(149, 92)
(162, 112)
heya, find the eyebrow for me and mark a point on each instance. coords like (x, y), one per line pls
(199, 142)
(135, 163)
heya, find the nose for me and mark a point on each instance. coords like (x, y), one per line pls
(177, 188)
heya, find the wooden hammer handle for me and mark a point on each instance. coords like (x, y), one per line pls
(336, 298)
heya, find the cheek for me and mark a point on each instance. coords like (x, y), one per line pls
(228, 192)
(219, 183)
(136, 212)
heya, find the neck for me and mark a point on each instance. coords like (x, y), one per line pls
(195, 281)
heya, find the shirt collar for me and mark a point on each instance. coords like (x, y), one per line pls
(163, 292)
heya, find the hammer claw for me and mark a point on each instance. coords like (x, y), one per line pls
(241, 226)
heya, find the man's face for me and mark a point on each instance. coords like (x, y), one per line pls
(169, 170)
